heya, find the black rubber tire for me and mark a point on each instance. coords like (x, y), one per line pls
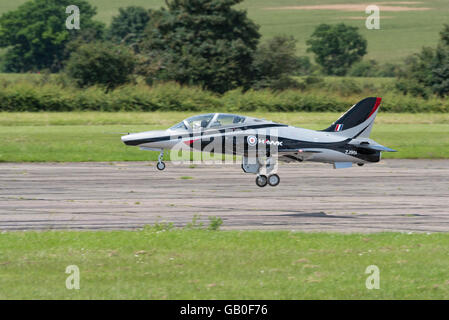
(360, 164)
(160, 166)
(276, 182)
(261, 181)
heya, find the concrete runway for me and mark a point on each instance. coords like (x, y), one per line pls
(394, 195)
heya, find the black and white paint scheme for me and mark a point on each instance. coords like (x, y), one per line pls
(261, 143)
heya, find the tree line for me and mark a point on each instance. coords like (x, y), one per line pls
(206, 43)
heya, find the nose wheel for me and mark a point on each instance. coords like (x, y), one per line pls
(160, 165)
(273, 180)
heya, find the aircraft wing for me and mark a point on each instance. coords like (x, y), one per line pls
(293, 155)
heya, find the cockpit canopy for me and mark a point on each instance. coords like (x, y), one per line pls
(210, 121)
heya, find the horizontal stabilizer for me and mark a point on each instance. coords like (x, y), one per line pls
(377, 148)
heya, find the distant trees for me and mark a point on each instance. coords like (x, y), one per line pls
(129, 26)
(101, 63)
(207, 43)
(201, 42)
(444, 35)
(336, 47)
(371, 68)
(275, 61)
(427, 72)
(36, 35)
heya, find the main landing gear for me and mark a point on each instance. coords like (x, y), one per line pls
(273, 180)
(264, 170)
(160, 165)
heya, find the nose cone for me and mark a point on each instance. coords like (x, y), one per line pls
(127, 139)
(136, 139)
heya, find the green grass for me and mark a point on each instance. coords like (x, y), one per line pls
(94, 136)
(201, 264)
(361, 81)
(401, 34)
(19, 76)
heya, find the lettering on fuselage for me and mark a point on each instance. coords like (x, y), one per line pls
(351, 152)
(269, 142)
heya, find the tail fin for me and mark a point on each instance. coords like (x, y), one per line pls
(358, 121)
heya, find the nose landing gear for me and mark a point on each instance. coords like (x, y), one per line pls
(160, 165)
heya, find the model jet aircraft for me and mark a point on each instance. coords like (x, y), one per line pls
(261, 143)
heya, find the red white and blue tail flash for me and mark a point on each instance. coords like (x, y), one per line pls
(338, 127)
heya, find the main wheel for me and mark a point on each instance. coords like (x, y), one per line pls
(261, 181)
(274, 180)
(160, 166)
(360, 164)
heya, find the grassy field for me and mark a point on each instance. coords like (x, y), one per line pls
(402, 32)
(94, 136)
(376, 83)
(202, 264)
(20, 76)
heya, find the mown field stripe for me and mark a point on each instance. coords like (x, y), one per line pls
(157, 263)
